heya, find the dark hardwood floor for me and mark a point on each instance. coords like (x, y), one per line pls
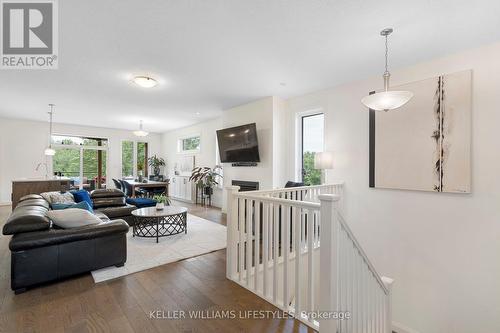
(124, 304)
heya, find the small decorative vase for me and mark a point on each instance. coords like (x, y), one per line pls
(160, 206)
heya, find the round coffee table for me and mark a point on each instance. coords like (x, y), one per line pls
(153, 223)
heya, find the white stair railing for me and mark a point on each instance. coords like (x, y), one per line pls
(274, 250)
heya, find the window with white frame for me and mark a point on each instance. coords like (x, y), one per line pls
(134, 158)
(310, 130)
(189, 144)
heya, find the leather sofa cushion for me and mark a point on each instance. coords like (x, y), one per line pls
(102, 216)
(34, 202)
(113, 212)
(26, 219)
(101, 202)
(30, 196)
(30, 240)
(106, 193)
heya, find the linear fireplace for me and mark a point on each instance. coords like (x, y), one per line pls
(246, 185)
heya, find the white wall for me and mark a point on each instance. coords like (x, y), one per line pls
(266, 113)
(442, 249)
(22, 144)
(261, 113)
(207, 154)
(281, 137)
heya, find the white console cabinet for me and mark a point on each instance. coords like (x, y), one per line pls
(181, 188)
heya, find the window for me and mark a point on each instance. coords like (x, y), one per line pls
(81, 159)
(127, 158)
(134, 158)
(142, 158)
(189, 144)
(312, 136)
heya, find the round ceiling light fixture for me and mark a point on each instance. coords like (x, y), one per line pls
(145, 81)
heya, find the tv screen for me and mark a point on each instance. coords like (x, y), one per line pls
(238, 144)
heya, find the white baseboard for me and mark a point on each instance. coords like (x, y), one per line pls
(400, 328)
(5, 203)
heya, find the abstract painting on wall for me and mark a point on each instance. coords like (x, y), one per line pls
(426, 144)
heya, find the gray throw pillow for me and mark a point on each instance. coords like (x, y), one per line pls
(58, 197)
(72, 218)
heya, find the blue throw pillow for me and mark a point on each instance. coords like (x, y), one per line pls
(81, 205)
(82, 195)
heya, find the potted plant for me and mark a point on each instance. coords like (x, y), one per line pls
(205, 178)
(156, 163)
(161, 201)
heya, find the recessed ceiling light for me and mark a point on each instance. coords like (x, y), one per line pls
(145, 81)
(197, 113)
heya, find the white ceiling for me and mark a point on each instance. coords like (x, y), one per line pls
(212, 55)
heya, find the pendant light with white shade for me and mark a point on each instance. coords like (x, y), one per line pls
(387, 99)
(140, 132)
(49, 151)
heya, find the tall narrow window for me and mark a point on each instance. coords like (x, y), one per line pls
(312, 143)
(127, 158)
(134, 159)
(142, 158)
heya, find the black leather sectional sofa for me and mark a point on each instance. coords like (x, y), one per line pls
(41, 252)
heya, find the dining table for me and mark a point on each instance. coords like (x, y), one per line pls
(146, 184)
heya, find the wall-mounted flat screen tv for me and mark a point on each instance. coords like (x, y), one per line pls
(238, 144)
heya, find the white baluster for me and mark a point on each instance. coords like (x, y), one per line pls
(275, 252)
(310, 262)
(351, 289)
(265, 248)
(298, 260)
(241, 238)
(355, 313)
(286, 250)
(249, 241)
(360, 308)
(256, 259)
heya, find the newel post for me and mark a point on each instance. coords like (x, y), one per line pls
(328, 260)
(232, 230)
(388, 282)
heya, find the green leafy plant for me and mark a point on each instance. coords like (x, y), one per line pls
(311, 176)
(162, 198)
(205, 177)
(156, 162)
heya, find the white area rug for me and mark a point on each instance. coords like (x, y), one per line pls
(202, 237)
